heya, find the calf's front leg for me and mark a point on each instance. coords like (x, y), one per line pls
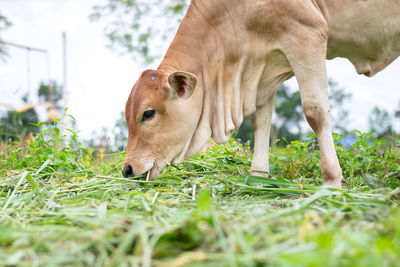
(261, 122)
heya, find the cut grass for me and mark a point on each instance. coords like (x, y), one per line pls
(208, 211)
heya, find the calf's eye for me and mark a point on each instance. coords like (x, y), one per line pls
(148, 114)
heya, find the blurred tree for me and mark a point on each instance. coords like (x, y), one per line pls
(132, 25)
(397, 112)
(113, 140)
(120, 131)
(380, 122)
(54, 96)
(14, 125)
(289, 117)
(339, 114)
(245, 132)
(4, 24)
(44, 94)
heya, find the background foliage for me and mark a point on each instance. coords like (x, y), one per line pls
(130, 26)
(4, 24)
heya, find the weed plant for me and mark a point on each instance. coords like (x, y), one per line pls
(65, 205)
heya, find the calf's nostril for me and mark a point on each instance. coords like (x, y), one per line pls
(127, 171)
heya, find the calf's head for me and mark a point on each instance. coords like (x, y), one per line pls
(162, 113)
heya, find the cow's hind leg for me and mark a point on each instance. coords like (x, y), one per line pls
(261, 121)
(309, 67)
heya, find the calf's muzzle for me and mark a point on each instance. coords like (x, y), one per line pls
(127, 171)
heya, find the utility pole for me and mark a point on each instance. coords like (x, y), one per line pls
(65, 84)
(65, 91)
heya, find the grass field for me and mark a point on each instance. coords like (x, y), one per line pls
(69, 206)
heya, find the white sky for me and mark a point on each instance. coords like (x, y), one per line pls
(100, 80)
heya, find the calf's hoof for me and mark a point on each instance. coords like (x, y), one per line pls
(333, 177)
(260, 173)
(337, 184)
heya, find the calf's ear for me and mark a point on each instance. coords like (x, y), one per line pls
(181, 84)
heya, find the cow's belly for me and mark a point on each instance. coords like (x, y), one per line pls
(368, 58)
(370, 40)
